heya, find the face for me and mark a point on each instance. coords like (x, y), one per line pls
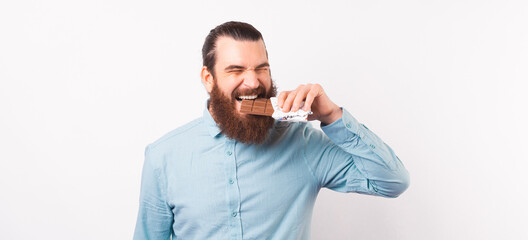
(241, 68)
(241, 72)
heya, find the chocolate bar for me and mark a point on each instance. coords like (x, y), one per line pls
(259, 106)
(269, 107)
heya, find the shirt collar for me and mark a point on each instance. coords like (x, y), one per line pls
(210, 123)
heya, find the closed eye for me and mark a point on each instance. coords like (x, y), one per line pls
(235, 70)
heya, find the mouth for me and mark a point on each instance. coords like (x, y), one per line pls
(246, 97)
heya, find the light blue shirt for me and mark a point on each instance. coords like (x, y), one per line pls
(198, 184)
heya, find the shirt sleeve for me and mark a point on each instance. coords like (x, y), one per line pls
(155, 217)
(351, 158)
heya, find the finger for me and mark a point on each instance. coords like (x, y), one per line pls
(301, 95)
(289, 101)
(309, 100)
(282, 96)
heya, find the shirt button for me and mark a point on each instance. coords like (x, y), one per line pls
(372, 146)
(234, 214)
(231, 181)
(348, 125)
(229, 153)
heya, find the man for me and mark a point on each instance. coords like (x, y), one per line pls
(230, 175)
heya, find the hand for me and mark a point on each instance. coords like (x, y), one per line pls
(315, 100)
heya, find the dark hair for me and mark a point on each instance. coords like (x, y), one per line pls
(236, 30)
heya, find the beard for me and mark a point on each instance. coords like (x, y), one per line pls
(249, 129)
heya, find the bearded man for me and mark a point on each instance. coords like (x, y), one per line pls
(233, 175)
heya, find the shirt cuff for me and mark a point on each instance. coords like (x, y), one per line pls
(342, 129)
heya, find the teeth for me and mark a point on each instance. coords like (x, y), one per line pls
(248, 97)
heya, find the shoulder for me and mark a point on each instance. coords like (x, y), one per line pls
(176, 137)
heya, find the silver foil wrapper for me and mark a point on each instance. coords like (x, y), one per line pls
(297, 116)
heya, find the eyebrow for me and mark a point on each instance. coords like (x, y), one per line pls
(263, 65)
(233, 67)
(230, 67)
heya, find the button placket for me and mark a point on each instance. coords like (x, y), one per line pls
(232, 190)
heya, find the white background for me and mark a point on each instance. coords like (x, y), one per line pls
(86, 85)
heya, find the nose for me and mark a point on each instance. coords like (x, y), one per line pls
(251, 79)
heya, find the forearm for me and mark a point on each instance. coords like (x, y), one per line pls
(384, 172)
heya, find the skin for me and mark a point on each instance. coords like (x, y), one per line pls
(244, 65)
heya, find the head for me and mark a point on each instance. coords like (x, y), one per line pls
(235, 66)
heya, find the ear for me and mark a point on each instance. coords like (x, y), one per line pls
(207, 79)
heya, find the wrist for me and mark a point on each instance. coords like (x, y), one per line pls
(335, 115)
